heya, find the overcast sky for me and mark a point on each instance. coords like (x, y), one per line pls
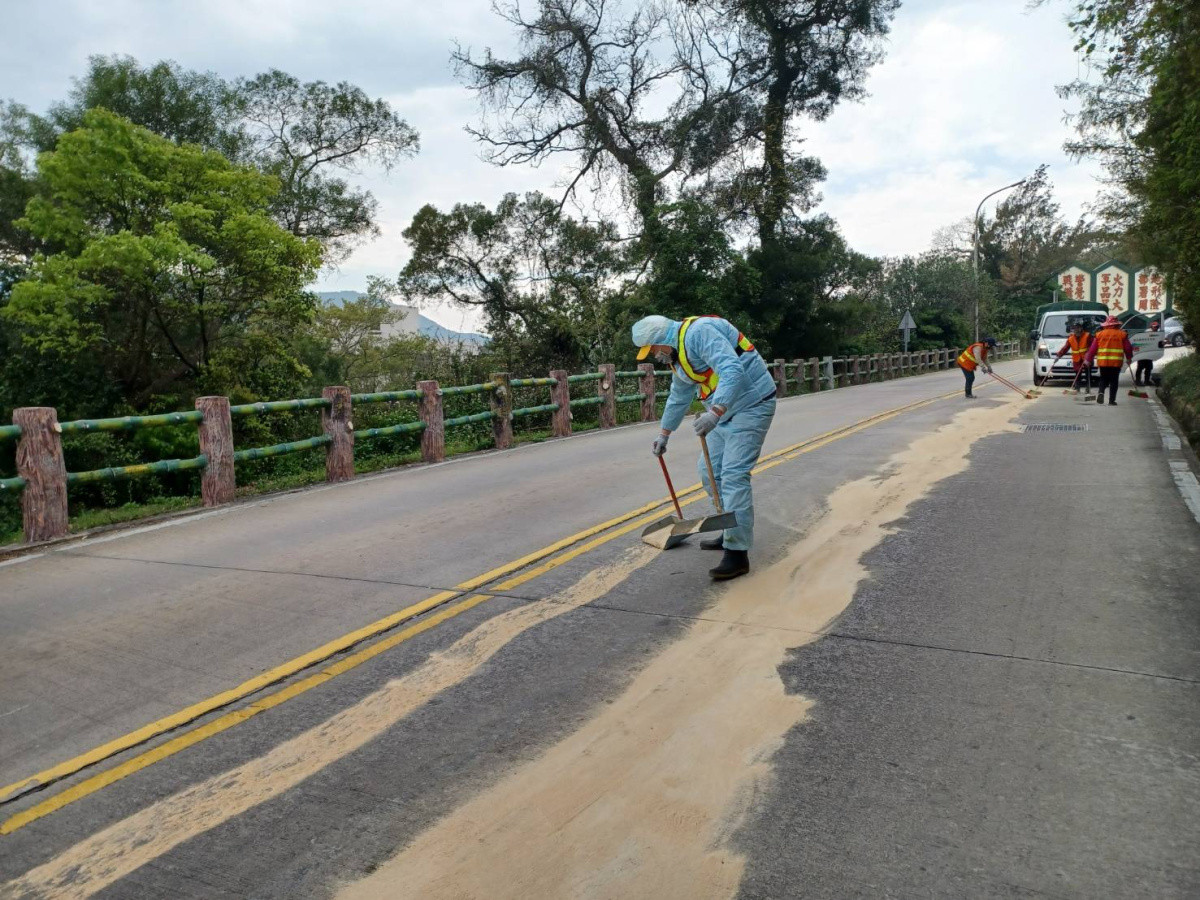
(963, 103)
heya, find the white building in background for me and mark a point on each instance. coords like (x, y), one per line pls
(401, 321)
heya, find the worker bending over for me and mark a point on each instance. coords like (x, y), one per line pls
(1110, 348)
(711, 359)
(1078, 342)
(973, 357)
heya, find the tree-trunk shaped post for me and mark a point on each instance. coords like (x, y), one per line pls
(337, 422)
(646, 382)
(606, 387)
(433, 438)
(560, 394)
(40, 463)
(218, 482)
(814, 374)
(502, 407)
(780, 372)
(857, 378)
(827, 373)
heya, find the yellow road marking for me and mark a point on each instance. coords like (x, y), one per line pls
(687, 496)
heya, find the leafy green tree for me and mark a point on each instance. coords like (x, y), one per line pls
(308, 135)
(1139, 115)
(542, 280)
(631, 93)
(170, 273)
(797, 60)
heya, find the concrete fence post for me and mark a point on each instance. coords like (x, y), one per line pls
(856, 376)
(501, 402)
(814, 374)
(779, 370)
(560, 394)
(799, 365)
(218, 481)
(433, 438)
(647, 385)
(40, 463)
(338, 423)
(606, 387)
(827, 371)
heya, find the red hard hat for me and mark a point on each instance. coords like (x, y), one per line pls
(1110, 322)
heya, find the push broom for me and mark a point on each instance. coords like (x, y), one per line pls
(1004, 381)
(1132, 392)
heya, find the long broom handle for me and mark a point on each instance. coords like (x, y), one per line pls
(711, 478)
(670, 487)
(1008, 384)
(1075, 380)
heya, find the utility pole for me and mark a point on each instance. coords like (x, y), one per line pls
(975, 245)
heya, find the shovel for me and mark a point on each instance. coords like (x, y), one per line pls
(671, 531)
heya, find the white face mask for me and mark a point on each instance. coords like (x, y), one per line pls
(664, 357)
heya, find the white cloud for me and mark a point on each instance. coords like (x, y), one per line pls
(963, 104)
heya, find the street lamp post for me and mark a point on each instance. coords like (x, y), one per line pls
(975, 245)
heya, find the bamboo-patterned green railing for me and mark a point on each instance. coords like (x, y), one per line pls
(281, 449)
(130, 423)
(258, 409)
(117, 473)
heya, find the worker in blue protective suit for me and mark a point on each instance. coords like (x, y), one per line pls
(711, 359)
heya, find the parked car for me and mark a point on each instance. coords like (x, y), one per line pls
(1173, 332)
(1052, 323)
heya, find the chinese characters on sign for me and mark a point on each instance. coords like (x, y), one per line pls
(1151, 293)
(1075, 284)
(1112, 288)
(1118, 287)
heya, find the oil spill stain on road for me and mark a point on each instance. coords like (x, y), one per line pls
(641, 800)
(129, 844)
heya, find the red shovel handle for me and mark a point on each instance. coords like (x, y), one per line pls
(670, 487)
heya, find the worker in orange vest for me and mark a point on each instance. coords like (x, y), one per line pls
(1078, 342)
(974, 357)
(1110, 349)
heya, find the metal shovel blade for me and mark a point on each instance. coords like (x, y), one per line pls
(671, 531)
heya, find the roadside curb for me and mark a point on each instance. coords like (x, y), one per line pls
(1181, 459)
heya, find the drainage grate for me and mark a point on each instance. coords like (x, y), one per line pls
(1051, 426)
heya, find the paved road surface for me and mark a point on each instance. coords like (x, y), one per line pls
(966, 664)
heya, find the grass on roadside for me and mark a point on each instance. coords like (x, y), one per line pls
(1180, 393)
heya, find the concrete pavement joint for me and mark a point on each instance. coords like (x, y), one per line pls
(355, 578)
(872, 640)
(1011, 656)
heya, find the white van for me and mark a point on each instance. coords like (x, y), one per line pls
(1053, 326)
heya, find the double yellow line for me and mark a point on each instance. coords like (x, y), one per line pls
(529, 567)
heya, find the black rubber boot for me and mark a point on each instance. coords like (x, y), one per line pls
(1112, 402)
(717, 543)
(733, 564)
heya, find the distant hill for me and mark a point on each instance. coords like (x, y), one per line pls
(425, 325)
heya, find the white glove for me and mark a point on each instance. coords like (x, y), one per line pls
(988, 369)
(706, 422)
(659, 447)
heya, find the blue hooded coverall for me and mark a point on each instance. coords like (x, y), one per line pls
(746, 390)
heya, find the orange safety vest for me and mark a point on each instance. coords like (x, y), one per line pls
(1079, 348)
(1111, 348)
(706, 378)
(967, 360)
